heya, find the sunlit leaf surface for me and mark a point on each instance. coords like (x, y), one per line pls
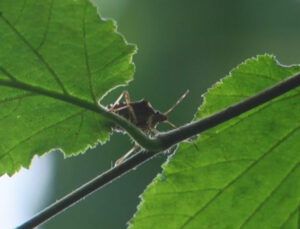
(60, 47)
(241, 174)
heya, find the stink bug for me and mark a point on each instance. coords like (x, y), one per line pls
(141, 114)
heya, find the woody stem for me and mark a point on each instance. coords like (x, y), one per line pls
(165, 140)
(177, 135)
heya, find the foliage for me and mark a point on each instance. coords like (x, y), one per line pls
(241, 174)
(55, 62)
(53, 51)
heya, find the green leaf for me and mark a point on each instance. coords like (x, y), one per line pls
(241, 174)
(52, 53)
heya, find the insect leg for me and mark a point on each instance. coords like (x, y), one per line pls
(130, 108)
(118, 100)
(121, 159)
(155, 131)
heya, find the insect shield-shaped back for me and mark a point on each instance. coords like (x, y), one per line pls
(140, 113)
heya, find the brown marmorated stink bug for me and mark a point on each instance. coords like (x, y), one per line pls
(141, 114)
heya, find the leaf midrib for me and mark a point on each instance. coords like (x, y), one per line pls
(66, 98)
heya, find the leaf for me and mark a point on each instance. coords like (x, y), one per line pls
(51, 53)
(241, 174)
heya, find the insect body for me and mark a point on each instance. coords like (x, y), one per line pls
(141, 114)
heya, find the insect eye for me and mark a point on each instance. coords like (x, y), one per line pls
(144, 101)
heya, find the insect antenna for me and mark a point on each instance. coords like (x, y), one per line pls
(171, 124)
(177, 102)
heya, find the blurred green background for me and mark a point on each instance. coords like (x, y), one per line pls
(181, 45)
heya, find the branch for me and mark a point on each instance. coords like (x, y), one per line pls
(133, 131)
(167, 139)
(86, 189)
(177, 135)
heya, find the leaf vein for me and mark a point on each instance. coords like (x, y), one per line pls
(19, 98)
(8, 152)
(212, 164)
(163, 215)
(269, 196)
(110, 62)
(289, 134)
(89, 75)
(289, 217)
(21, 12)
(255, 112)
(261, 75)
(47, 26)
(188, 191)
(37, 54)
(7, 74)
(257, 74)
(79, 128)
(9, 99)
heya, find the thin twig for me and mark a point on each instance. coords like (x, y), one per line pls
(169, 138)
(177, 135)
(86, 189)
